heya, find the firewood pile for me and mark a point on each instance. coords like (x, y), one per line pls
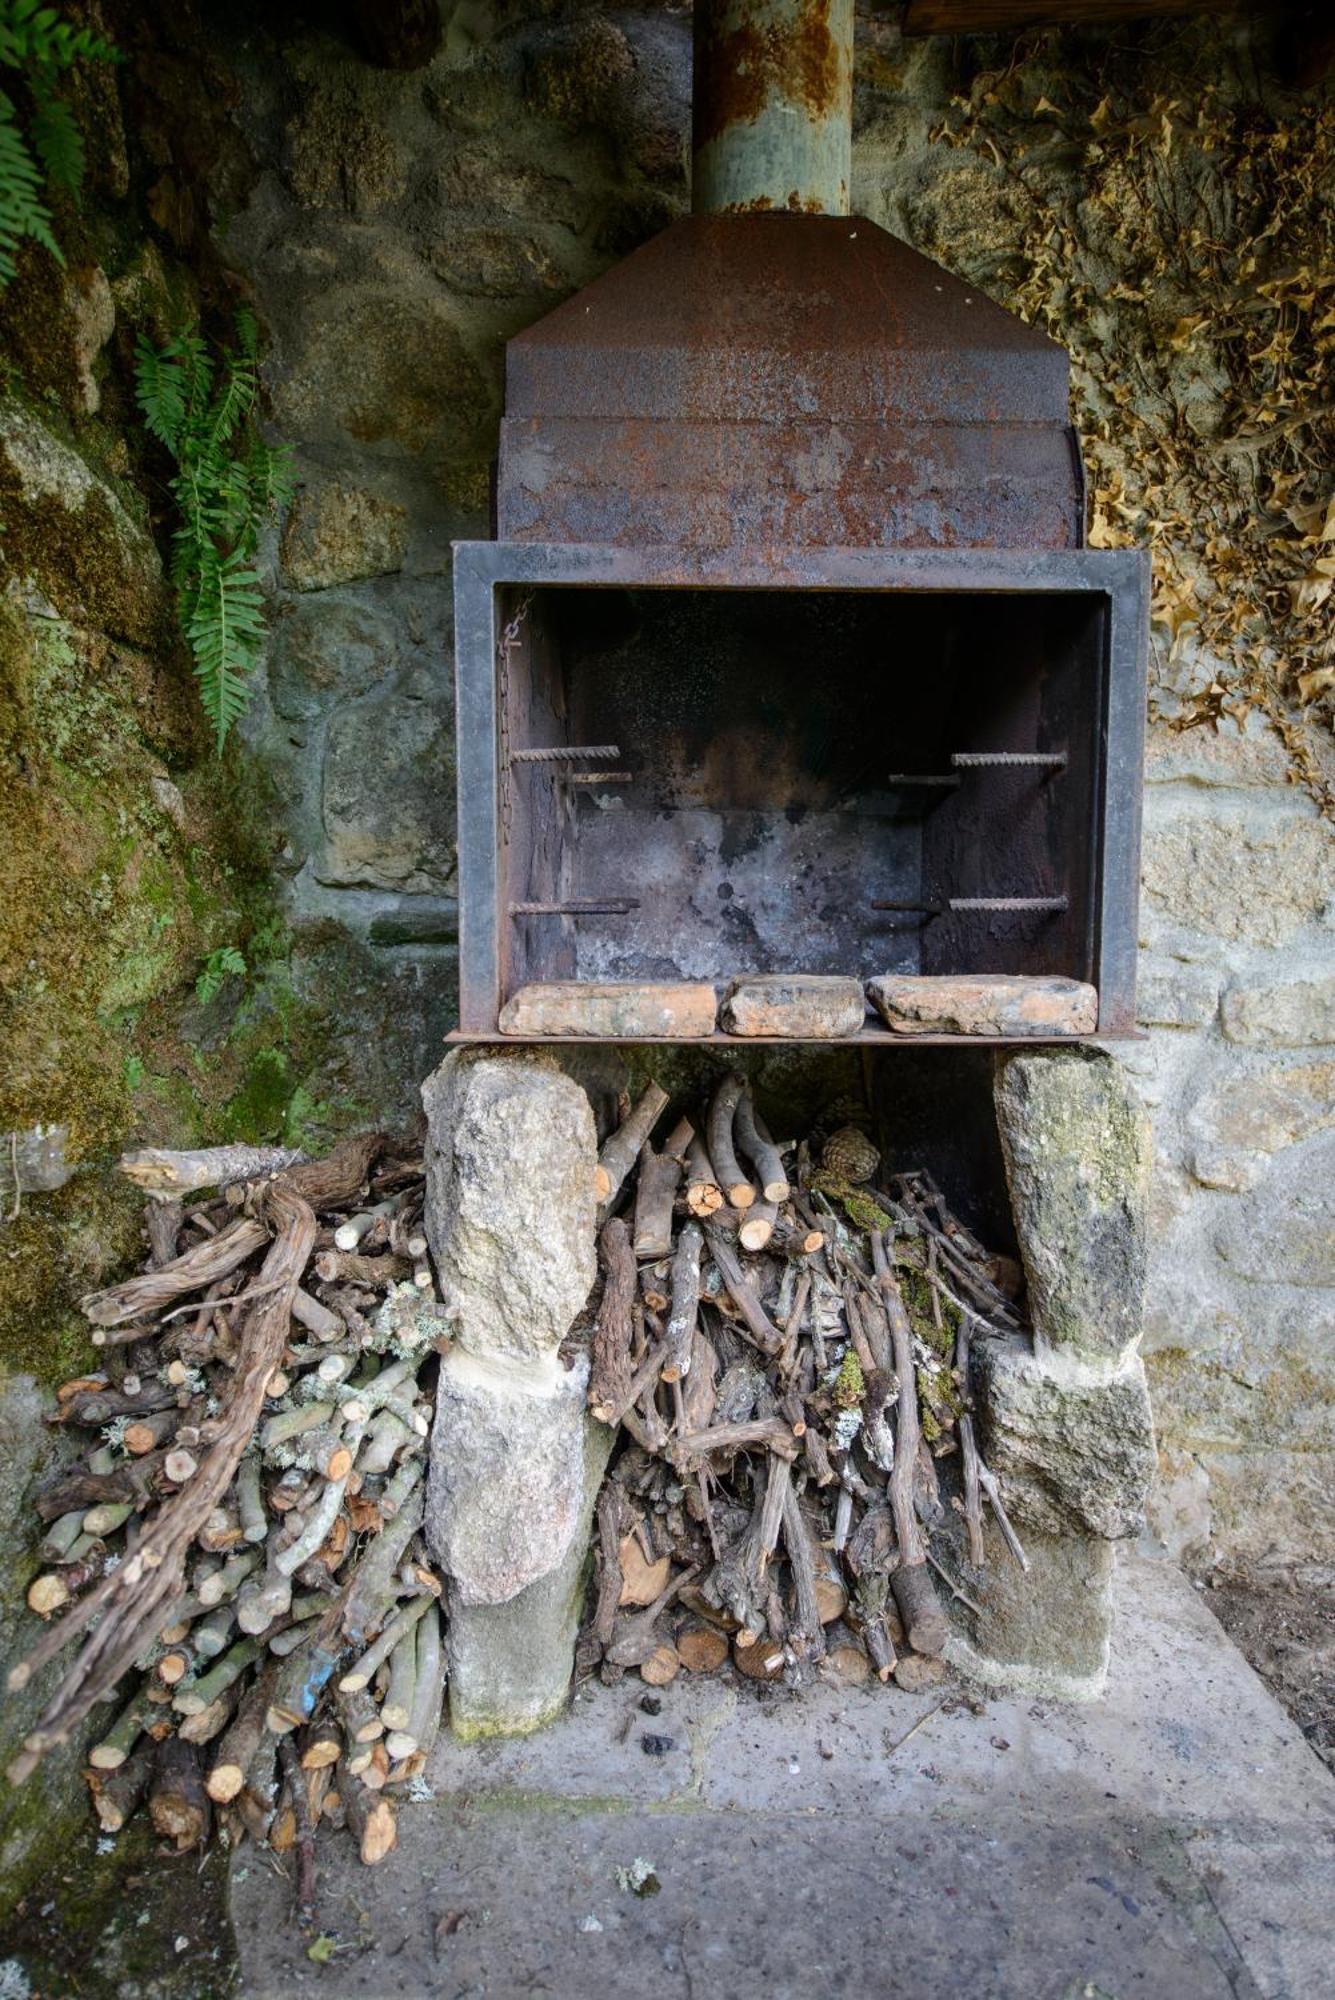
(783, 1336)
(237, 1543)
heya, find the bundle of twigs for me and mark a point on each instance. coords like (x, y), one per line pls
(240, 1532)
(786, 1348)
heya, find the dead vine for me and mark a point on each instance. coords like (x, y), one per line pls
(1180, 244)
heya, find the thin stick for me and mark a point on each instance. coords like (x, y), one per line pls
(973, 1499)
(424, 1721)
(362, 1671)
(755, 1143)
(301, 1812)
(200, 1266)
(988, 1481)
(719, 1131)
(656, 1191)
(925, 1623)
(952, 1586)
(685, 1302)
(610, 1368)
(797, 1541)
(771, 1432)
(761, 1327)
(623, 1148)
(160, 1172)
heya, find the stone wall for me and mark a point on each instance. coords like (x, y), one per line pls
(400, 226)
(394, 228)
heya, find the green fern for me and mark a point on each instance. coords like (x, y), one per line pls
(31, 33)
(56, 138)
(225, 963)
(38, 45)
(227, 481)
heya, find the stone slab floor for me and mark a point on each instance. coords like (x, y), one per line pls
(1176, 1840)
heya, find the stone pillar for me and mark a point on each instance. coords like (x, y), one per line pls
(1065, 1421)
(515, 1459)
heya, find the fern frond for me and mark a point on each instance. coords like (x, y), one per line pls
(248, 333)
(272, 476)
(56, 138)
(189, 352)
(31, 33)
(226, 481)
(226, 631)
(35, 41)
(23, 213)
(159, 386)
(225, 963)
(233, 401)
(186, 564)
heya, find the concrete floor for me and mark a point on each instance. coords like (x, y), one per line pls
(1176, 1840)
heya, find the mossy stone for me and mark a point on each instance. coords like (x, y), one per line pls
(1044, 1631)
(1078, 1148)
(511, 1664)
(1075, 1453)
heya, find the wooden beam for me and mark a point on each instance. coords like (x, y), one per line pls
(996, 17)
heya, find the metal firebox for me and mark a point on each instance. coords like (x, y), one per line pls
(857, 761)
(790, 657)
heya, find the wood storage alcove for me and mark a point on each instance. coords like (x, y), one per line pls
(848, 762)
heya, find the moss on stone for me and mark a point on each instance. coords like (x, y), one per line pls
(60, 1246)
(86, 1925)
(75, 535)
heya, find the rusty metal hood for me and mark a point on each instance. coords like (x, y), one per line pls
(792, 381)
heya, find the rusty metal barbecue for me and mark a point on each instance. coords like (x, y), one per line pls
(790, 528)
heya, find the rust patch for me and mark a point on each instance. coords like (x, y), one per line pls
(739, 69)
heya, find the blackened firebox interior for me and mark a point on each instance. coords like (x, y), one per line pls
(700, 783)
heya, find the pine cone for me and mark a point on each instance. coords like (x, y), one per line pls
(850, 1155)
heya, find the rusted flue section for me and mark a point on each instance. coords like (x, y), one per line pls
(773, 100)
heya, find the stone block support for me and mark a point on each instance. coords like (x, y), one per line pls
(515, 1459)
(1064, 1422)
(1044, 1631)
(1078, 1149)
(1073, 1444)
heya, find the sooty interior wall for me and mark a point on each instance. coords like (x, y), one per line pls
(762, 805)
(923, 1107)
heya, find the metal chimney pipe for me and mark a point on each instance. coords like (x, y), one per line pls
(773, 106)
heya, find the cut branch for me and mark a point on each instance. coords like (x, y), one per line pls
(754, 1142)
(614, 1333)
(737, 1189)
(164, 1173)
(685, 1302)
(925, 1624)
(623, 1148)
(200, 1266)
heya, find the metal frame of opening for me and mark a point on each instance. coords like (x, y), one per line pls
(1119, 577)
